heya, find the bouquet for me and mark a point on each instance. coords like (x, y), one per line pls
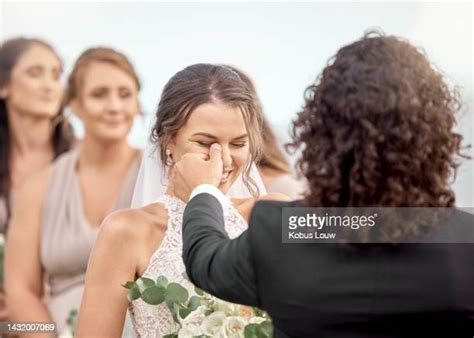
(202, 315)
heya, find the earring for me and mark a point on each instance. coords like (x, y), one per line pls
(169, 159)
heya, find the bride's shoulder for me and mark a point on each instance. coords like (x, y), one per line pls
(135, 224)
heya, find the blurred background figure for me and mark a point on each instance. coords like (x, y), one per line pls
(58, 212)
(273, 166)
(33, 131)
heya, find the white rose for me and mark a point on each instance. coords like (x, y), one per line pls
(213, 324)
(189, 331)
(234, 327)
(256, 320)
(228, 308)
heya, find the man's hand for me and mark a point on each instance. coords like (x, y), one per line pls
(192, 170)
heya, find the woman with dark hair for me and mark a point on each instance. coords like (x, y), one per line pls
(376, 131)
(273, 164)
(33, 131)
(200, 105)
(59, 210)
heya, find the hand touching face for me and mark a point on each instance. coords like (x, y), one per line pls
(215, 123)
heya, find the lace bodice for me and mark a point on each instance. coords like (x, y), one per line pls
(152, 321)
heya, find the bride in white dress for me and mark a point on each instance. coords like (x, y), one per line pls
(200, 105)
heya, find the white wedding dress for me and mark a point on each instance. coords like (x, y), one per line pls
(152, 321)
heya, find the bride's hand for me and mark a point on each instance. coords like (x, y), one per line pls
(192, 170)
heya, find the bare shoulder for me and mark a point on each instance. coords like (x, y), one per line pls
(29, 197)
(137, 232)
(34, 187)
(133, 224)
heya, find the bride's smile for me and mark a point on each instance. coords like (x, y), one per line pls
(215, 123)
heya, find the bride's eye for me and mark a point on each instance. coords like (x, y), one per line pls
(204, 144)
(239, 145)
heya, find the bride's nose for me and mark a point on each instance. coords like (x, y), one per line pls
(226, 157)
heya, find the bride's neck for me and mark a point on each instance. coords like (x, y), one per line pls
(170, 191)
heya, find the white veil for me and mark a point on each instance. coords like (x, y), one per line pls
(151, 183)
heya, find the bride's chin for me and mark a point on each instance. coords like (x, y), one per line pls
(225, 186)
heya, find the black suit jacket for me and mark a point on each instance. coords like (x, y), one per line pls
(331, 290)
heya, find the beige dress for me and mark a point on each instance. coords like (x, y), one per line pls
(67, 238)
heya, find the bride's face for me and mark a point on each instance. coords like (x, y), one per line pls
(215, 123)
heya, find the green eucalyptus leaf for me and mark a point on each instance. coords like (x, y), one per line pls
(169, 304)
(162, 281)
(72, 318)
(144, 283)
(133, 294)
(128, 285)
(183, 313)
(194, 302)
(176, 293)
(250, 331)
(198, 291)
(172, 335)
(265, 330)
(154, 295)
(175, 312)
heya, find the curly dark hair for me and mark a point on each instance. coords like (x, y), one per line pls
(377, 129)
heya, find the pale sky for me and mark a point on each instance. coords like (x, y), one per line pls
(282, 46)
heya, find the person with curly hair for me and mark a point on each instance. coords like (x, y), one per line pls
(376, 131)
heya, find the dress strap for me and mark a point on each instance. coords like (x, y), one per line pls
(175, 208)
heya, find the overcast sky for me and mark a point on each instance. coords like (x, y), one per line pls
(282, 46)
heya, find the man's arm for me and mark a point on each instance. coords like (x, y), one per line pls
(218, 265)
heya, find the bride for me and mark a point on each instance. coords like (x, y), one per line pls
(200, 105)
